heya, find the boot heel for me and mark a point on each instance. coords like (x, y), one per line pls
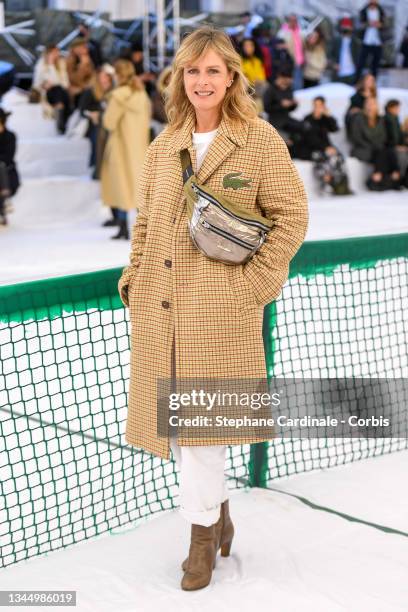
(225, 549)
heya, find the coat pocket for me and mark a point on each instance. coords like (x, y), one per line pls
(124, 284)
(240, 287)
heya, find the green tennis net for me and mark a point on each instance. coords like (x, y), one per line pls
(67, 473)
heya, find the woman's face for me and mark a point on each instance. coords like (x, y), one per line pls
(248, 48)
(105, 80)
(371, 107)
(206, 81)
(369, 80)
(53, 55)
(313, 38)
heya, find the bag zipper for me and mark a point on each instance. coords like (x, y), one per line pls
(228, 212)
(225, 234)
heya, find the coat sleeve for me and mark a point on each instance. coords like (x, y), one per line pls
(139, 229)
(282, 198)
(113, 113)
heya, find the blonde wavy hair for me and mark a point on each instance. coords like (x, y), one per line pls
(126, 75)
(238, 106)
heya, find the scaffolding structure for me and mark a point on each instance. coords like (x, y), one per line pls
(161, 32)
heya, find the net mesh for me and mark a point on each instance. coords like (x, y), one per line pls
(67, 473)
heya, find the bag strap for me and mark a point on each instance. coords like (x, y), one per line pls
(186, 165)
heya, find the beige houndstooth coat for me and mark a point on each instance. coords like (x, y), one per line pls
(212, 311)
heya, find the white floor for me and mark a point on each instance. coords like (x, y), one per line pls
(285, 556)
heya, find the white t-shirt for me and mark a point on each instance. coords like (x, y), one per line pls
(371, 35)
(346, 64)
(201, 144)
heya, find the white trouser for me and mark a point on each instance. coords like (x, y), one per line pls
(202, 484)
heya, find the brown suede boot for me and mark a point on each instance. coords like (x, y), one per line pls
(224, 531)
(201, 558)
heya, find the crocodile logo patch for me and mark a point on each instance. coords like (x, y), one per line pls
(234, 181)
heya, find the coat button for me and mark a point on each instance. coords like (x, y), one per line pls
(165, 304)
(174, 219)
(167, 263)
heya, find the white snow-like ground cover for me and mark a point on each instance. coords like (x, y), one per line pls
(286, 556)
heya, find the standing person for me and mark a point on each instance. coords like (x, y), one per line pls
(127, 119)
(158, 110)
(344, 53)
(368, 138)
(81, 69)
(294, 39)
(93, 45)
(315, 59)
(404, 49)
(253, 69)
(135, 54)
(50, 78)
(372, 18)
(192, 316)
(9, 178)
(91, 105)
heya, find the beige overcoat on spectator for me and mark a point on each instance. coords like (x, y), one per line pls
(213, 311)
(127, 118)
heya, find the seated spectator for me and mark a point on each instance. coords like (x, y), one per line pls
(344, 53)
(253, 68)
(92, 103)
(368, 138)
(94, 46)
(365, 88)
(294, 39)
(396, 139)
(315, 59)
(329, 163)
(50, 78)
(278, 104)
(9, 179)
(81, 70)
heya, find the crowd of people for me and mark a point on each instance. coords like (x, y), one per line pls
(110, 102)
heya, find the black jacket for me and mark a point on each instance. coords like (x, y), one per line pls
(273, 97)
(364, 21)
(335, 48)
(7, 153)
(393, 129)
(316, 135)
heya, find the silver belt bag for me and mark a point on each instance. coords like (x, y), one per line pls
(220, 229)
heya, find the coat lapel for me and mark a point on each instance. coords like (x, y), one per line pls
(228, 137)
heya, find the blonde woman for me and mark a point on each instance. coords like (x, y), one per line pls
(127, 119)
(315, 59)
(91, 105)
(50, 78)
(193, 317)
